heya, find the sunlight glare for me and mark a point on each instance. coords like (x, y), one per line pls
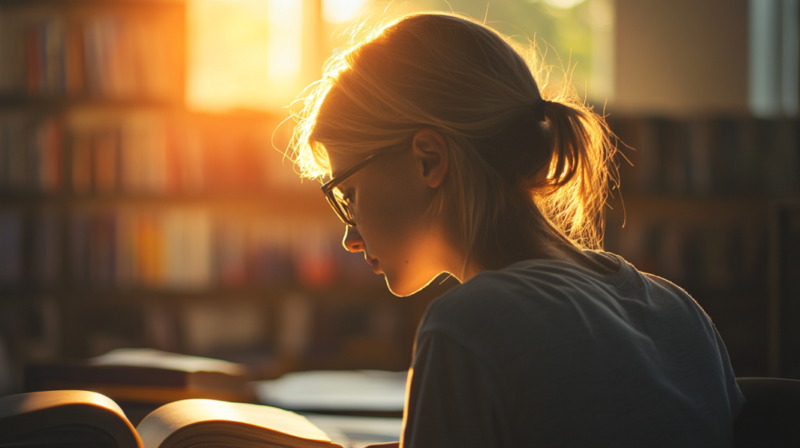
(285, 39)
(243, 53)
(339, 11)
(564, 4)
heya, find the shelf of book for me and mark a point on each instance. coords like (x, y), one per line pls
(61, 104)
(340, 292)
(173, 249)
(129, 50)
(141, 153)
(298, 203)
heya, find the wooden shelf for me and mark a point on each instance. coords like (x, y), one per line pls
(300, 202)
(57, 103)
(340, 292)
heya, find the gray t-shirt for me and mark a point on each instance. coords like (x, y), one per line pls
(547, 353)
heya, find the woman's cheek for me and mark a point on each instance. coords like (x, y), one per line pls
(385, 232)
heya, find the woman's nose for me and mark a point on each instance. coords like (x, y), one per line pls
(352, 240)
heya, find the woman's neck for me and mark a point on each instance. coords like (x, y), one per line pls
(517, 249)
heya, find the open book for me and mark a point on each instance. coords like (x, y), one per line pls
(83, 419)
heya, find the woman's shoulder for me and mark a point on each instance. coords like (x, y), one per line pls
(534, 277)
(529, 292)
(553, 296)
(545, 278)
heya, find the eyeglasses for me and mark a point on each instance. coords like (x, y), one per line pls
(336, 198)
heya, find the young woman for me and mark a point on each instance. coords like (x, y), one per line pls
(443, 156)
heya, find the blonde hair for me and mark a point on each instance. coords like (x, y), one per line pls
(519, 167)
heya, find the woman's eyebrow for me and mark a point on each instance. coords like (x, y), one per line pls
(341, 172)
(338, 173)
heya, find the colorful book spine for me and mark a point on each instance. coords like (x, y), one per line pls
(31, 153)
(109, 56)
(191, 249)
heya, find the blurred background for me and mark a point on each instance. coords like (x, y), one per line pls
(145, 200)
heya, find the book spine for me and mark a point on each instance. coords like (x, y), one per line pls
(6, 58)
(33, 60)
(13, 54)
(46, 249)
(53, 55)
(81, 161)
(54, 155)
(93, 38)
(11, 229)
(79, 248)
(74, 60)
(106, 156)
(125, 275)
(700, 154)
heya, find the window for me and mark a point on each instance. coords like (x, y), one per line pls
(259, 54)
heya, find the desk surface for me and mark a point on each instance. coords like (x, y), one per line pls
(358, 432)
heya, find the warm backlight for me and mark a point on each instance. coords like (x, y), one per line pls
(244, 53)
(285, 34)
(340, 11)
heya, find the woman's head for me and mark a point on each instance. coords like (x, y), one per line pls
(479, 168)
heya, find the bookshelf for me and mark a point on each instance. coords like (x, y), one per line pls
(127, 220)
(697, 207)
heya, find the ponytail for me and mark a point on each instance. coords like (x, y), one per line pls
(574, 194)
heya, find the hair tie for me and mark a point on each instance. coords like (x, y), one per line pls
(538, 109)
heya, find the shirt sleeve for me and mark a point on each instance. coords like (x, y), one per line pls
(453, 399)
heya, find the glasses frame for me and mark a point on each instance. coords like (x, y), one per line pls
(338, 205)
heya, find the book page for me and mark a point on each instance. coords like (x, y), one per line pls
(145, 357)
(224, 419)
(24, 417)
(37, 401)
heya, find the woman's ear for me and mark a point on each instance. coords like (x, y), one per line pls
(431, 156)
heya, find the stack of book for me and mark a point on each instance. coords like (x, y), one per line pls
(145, 376)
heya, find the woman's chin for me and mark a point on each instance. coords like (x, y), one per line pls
(404, 287)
